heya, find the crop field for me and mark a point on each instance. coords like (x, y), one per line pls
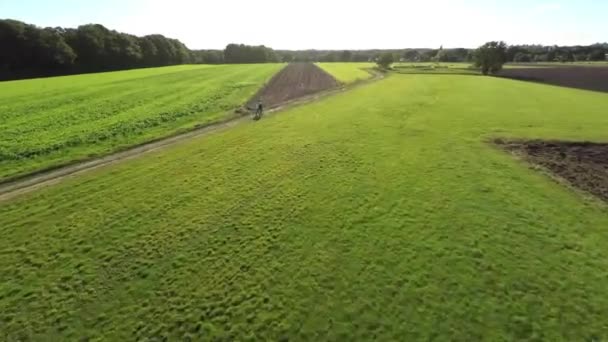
(383, 212)
(448, 68)
(583, 165)
(49, 122)
(590, 78)
(295, 81)
(600, 64)
(348, 72)
(442, 68)
(593, 76)
(448, 65)
(455, 68)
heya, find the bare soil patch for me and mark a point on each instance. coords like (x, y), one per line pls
(582, 164)
(589, 78)
(294, 81)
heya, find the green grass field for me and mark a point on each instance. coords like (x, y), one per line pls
(457, 68)
(448, 65)
(379, 213)
(436, 68)
(48, 122)
(348, 72)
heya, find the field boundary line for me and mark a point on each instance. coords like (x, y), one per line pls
(26, 183)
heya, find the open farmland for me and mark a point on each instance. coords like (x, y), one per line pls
(581, 164)
(49, 122)
(590, 78)
(379, 213)
(295, 81)
(436, 68)
(348, 72)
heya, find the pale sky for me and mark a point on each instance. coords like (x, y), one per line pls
(328, 24)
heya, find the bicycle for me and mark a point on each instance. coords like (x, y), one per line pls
(257, 115)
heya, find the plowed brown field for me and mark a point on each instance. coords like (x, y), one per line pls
(582, 164)
(294, 81)
(589, 78)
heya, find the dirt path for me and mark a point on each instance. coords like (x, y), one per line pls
(29, 183)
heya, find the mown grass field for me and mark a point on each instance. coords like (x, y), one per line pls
(449, 65)
(348, 72)
(48, 122)
(376, 213)
(454, 68)
(436, 68)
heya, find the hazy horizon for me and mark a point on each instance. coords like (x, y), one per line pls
(356, 25)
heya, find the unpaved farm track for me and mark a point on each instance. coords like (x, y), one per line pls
(32, 182)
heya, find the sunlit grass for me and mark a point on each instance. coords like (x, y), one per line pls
(348, 72)
(379, 213)
(47, 122)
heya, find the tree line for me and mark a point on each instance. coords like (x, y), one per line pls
(491, 56)
(539, 53)
(237, 54)
(30, 51)
(514, 53)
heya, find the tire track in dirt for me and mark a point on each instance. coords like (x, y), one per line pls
(28, 183)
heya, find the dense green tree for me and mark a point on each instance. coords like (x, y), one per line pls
(240, 53)
(411, 55)
(26, 47)
(564, 56)
(541, 58)
(491, 56)
(428, 55)
(149, 51)
(541, 53)
(522, 57)
(48, 49)
(287, 57)
(597, 55)
(360, 57)
(12, 43)
(331, 56)
(455, 55)
(580, 57)
(181, 54)
(470, 56)
(27, 50)
(207, 56)
(346, 56)
(385, 60)
(89, 44)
